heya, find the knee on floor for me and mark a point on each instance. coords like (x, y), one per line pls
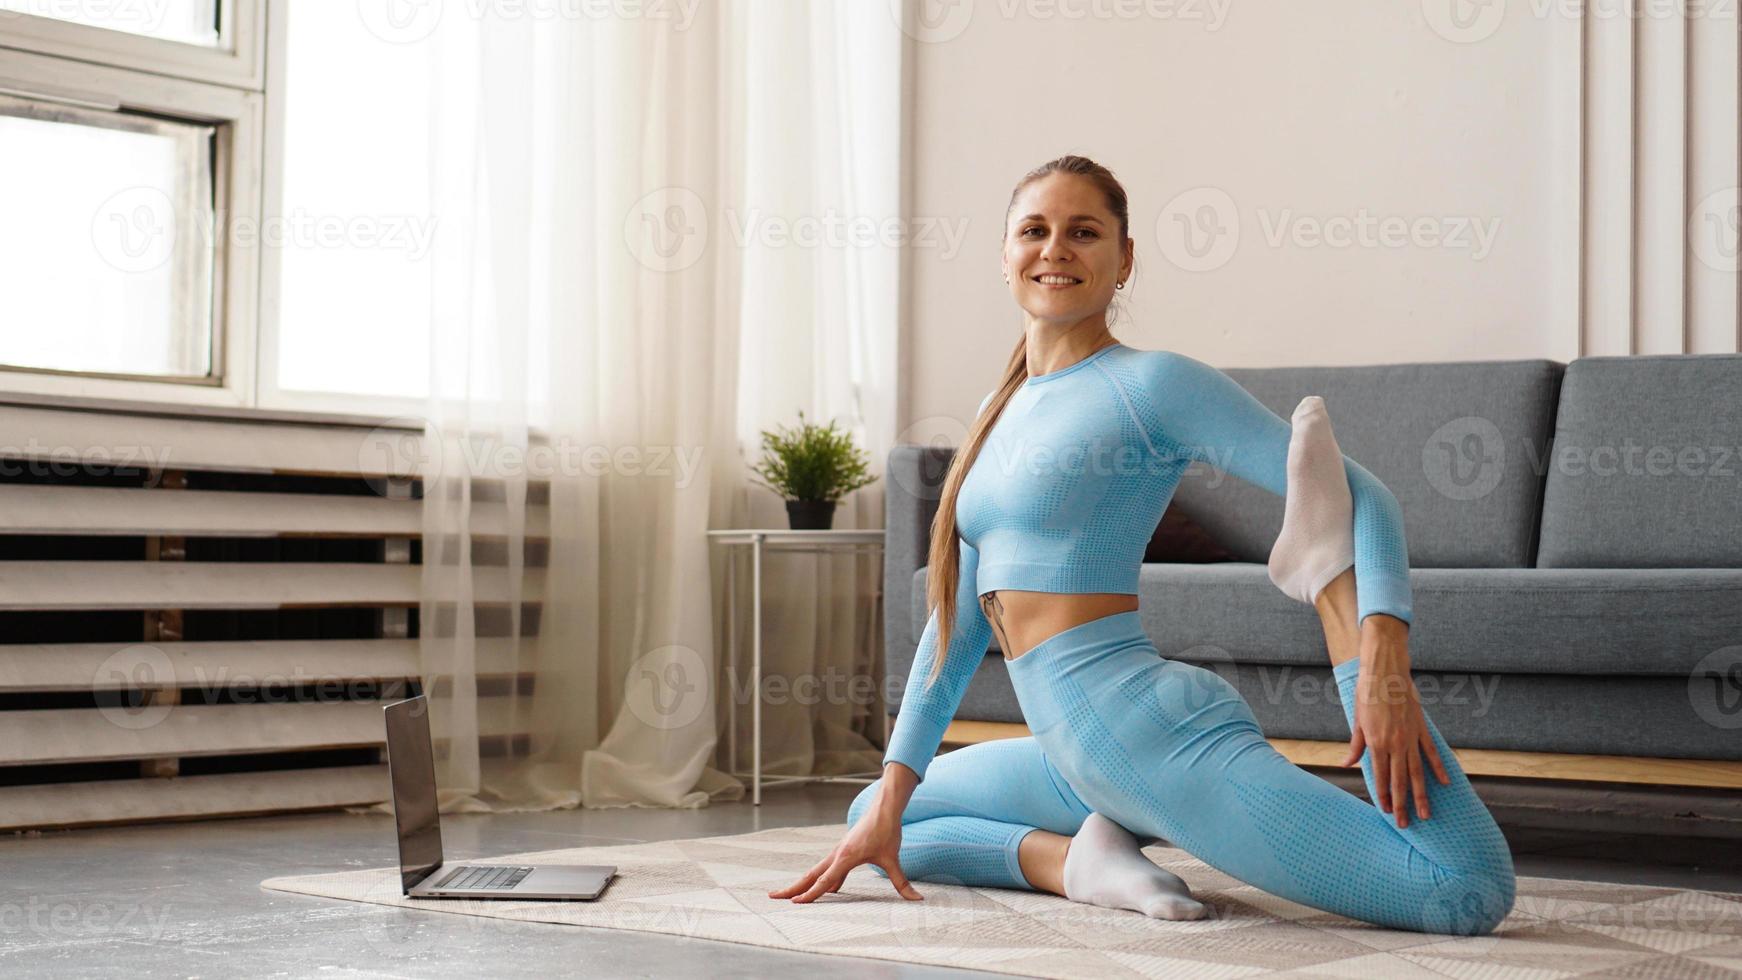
(1472, 904)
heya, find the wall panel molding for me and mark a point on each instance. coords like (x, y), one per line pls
(1661, 162)
(1608, 173)
(1714, 315)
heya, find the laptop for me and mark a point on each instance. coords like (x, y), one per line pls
(422, 871)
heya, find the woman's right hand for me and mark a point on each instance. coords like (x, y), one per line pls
(875, 839)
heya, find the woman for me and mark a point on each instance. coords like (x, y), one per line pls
(1039, 537)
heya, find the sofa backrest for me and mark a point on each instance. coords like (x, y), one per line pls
(1646, 470)
(1453, 441)
(913, 483)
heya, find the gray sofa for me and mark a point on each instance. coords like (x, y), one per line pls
(1575, 543)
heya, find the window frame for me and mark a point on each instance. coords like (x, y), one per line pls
(238, 61)
(238, 116)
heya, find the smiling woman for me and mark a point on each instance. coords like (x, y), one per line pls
(1067, 467)
(1067, 251)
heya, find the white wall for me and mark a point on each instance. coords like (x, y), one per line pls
(1501, 137)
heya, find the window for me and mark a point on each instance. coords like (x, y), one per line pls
(194, 217)
(348, 267)
(123, 270)
(107, 258)
(216, 41)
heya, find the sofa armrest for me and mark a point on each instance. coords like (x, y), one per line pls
(914, 482)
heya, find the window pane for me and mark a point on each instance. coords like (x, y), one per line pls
(187, 21)
(354, 309)
(106, 258)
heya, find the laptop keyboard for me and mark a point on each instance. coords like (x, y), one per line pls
(484, 877)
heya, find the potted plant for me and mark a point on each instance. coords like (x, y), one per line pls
(812, 466)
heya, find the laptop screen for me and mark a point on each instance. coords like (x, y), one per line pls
(411, 767)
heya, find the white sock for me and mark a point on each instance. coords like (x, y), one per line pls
(1105, 867)
(1317, 540)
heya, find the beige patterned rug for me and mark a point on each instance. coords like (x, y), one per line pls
(716, 888)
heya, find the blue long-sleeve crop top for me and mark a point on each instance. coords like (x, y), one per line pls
(1069, 487)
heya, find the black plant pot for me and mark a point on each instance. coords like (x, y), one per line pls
(810, 515)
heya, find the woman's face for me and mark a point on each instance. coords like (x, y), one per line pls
(1062, 250)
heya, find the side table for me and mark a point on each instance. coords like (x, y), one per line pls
(760, 540)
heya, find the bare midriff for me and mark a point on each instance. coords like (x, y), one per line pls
(1022, 620)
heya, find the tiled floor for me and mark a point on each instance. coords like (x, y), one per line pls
(184, 900)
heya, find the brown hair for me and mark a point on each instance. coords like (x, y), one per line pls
(945, 555)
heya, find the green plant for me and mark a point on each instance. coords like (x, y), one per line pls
(812, 462)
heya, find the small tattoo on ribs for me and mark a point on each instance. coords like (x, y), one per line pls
(994, 610)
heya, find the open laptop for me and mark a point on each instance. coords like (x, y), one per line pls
(422, 872)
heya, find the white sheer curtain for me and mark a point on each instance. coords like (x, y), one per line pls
(635, 274)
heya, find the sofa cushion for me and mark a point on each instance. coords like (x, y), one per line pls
(1532, 660)
(1621, 621)
(1573, 713)
(1647, 464)
(1452, 441)
(1577, 713)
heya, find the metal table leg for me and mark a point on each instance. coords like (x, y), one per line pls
(731, 659)
(756, 669)
(881, 651)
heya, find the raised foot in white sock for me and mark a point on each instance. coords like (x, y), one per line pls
(1317, 541)
(1105, 867)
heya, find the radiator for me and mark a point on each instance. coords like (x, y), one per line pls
(203, 616)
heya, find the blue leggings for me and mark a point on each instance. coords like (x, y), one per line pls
(1171, 751)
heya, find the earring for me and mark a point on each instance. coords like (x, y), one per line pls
(1119, 286)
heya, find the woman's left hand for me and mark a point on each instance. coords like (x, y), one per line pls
(1389, 721)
